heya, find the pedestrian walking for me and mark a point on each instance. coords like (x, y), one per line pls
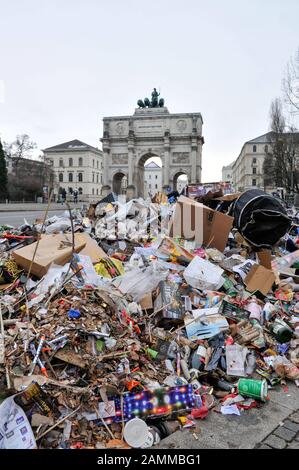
(63, 196)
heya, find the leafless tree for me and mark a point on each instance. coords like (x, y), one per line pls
(280, 162)
(291, 84)
(21, 147)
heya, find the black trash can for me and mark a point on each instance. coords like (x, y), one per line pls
(260, 218)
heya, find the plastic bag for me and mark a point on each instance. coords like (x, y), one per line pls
(61, 225)
(15, 430)
(140, 282)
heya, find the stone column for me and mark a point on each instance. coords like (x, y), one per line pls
(131, 153)
(198, 168)
(106, 156)
(130, 163)
(166, 162)
(193, 159)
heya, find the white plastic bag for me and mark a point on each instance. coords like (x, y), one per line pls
(15, 430)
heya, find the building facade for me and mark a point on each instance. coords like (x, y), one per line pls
(247, 170)
(129, 141)
(77, 166)
(227, 173)
(152, 179)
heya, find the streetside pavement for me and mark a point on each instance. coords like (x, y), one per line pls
(32, 206)
(256, 428)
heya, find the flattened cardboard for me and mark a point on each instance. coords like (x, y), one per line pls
(192, 220)
(259, 279)
(49, 251)
(91, 248)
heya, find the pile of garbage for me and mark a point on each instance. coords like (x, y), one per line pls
(142, 319)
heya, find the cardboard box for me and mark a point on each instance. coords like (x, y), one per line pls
(91, 248)
(259, 279)
(50, 250)
(194, 221)
(264, 257)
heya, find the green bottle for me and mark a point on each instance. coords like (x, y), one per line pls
(281, 331)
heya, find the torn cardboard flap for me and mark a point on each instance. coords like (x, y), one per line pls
(194, 221)
(147, 302)
(264, 258)
(259, 279)
(91, 248)
(71, 357)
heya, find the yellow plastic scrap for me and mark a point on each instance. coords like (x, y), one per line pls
(109, 267)
(182, 420)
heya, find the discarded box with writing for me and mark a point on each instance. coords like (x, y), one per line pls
(192, 220)
(202, 274)
(206, 323)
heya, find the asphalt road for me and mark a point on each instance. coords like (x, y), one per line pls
(17, 218)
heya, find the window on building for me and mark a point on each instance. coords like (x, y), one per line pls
(253, 182)
(101, 178)
(70, 190)
(92, 191)
(149, 177)
(156, 186)
(70, 177)
(254, 160)
(254, 148)
(97, 177)
(97, 164)
(254, 171)
(150, 185)
(80, 177)
(70, 162)
(97, 192)
(80, 191)
(93, 163)
(60, 177)
(80, 161)
(156, 177)
(93, 177)
(60, 162)
(266, 148)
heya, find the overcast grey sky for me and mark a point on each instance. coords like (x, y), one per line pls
(67, 63)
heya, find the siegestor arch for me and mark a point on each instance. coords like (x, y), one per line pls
(117, 180)
(177, 174)
(149, 154)
(139, 169)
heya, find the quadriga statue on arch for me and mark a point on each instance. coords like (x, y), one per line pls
(155, 102)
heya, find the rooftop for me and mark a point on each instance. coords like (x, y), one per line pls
(152, 165)
(76, 145)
